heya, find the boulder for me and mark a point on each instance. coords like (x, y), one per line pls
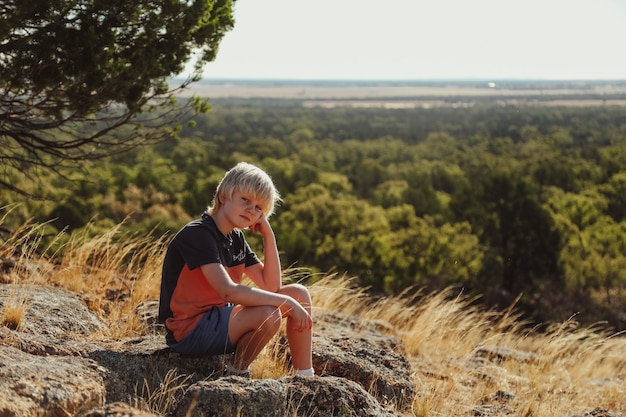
(285, 397)
(141, 364)
(356, 349)
(53, 364)
(48, 385)
(51, 311)
(118, 410)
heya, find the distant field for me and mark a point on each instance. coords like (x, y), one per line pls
(418, 93)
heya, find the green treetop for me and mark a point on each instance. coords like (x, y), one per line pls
(73, 72)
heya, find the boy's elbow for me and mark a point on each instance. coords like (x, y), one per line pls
(229, 296)
(228, 293)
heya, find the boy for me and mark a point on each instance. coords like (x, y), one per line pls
(205, 309)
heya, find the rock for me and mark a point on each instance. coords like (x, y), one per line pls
(53, 365)
(355, 349)
(501, 354)
(117, 410)
(293, 396)
(42, 346)
(332, 396)
(144, 362)
(51, 311)
(148, 314)
(47, 386)
(598, 412)
(233, 396)
(492, 410)
(495, 404)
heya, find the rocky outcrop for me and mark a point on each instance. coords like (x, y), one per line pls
(292, 396)
(48, 385)
(358, 350)
(53, 365)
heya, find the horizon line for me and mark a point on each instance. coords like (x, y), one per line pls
(405, 80)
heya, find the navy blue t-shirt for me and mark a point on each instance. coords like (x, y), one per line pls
(198, 243)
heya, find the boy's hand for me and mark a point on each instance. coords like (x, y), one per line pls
(300, 318)
(262, 226)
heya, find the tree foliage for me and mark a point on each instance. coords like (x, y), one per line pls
(76, 75)
(506, 203)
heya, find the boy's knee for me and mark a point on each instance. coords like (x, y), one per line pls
(298, 292)
(301, 288)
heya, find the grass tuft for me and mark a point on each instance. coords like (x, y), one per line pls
(161, 396)
(12, 314)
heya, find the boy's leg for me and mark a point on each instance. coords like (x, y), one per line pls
(250, 329)
(299, 342)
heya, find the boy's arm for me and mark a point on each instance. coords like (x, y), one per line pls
(231, 292)
(267, 275)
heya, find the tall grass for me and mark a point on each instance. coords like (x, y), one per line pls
(112, 271)
(569, 369)
(561, 370)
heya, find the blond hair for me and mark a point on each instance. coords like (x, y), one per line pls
(248, 179)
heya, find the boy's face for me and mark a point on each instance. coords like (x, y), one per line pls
(243, 210)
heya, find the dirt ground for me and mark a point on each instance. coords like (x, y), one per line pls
(410, 94)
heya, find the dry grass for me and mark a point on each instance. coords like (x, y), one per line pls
(160, 397)
(13, 312)
(114, 272)
(570, 369)
(117, 273)
(566, 369)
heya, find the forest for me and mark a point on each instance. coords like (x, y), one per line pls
(509, 204)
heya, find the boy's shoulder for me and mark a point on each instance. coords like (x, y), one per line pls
(195, 229)
(203, 229)
(203, 222)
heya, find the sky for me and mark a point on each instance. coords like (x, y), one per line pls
(424, 39)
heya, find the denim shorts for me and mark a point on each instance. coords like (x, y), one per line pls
(210, 336)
